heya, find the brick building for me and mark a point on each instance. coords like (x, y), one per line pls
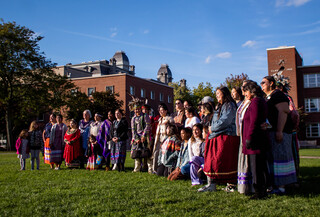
(118, 76)
(305, 87)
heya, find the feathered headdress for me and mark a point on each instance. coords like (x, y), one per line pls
(281, 80)
(135, 103)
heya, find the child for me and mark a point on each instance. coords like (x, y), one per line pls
(93, 153)
(22, 147)
(182, 170)
(168, 151)
(205, 132)
(196, 151)
(36, 143)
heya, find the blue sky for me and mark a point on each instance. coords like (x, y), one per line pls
(205, 40)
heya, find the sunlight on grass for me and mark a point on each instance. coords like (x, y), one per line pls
(82, 193)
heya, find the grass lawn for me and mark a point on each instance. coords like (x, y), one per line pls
(90, 193)
(309, 152)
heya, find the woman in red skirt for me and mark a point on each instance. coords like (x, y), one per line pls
(222, 145)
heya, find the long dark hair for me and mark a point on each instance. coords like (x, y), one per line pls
(239, 92)
(164, 106)
(225, 99)
(253, 88)
(200, 127)
(271, 79)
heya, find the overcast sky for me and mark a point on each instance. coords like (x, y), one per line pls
(199, 40)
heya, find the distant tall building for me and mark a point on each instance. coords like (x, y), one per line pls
(118, 76)
(305, 87)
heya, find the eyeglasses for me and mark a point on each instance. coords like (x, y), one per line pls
(177, 103)
(262, 82)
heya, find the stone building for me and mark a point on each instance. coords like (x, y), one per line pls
(305, 87)
(119, 76)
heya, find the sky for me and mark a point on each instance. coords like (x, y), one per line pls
(201, 41)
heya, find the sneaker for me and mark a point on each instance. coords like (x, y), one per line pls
(229, 188)
(211, 187)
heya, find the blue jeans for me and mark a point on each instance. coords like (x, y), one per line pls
(185, 170)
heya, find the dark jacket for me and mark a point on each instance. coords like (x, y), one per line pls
(120, 131)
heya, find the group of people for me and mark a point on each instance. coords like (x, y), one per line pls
(246, 140)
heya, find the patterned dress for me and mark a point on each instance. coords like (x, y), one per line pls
(119, 130)
(72, 151)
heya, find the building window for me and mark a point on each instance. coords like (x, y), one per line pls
(110, 88)
(161, 97)
(143, 93)
(169, 99)
(152, 95)
(312, 105)
(313, 130)
(91, 90)
(311, 80)
(132, 90)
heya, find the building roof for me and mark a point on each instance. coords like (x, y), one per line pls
(121, 58)
(281, 47)
(164, 69)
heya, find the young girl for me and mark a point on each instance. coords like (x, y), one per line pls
(168, 152)
(36, 143)
(93, 153)
(22, 147)
(196, 151)
(182, 170)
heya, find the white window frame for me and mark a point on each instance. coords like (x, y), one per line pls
(110, 88)
(161, 97)
(306, 80)
(132, 90)
(310, 101)
(309, 132)
(169, 99)
(152, 95)
(93, 90)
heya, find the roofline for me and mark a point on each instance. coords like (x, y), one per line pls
(310, 66)
(123, 74)
(282, 47)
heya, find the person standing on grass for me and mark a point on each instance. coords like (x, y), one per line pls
(161, 134)
(84, 127)
(58, 131)
(281, 161)
(196, 153)
(96, 125)
(72, 150)
(93, 152)
(169, 150)
(182, 170)
(146, 109)
(103, 139)
(255, 139)
(140, 129)
(119, 134)
(36, 142)
(222, 145)
(46, 139)
(22, 146)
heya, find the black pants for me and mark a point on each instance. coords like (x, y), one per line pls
(162, 170)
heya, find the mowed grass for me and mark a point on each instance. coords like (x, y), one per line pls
(98, 193)
(310, 152)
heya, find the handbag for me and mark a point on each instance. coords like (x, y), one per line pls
(135, 151)
(145, 153)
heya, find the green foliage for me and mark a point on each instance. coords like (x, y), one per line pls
(101, 102)
(203, 90)
(28, 85)
(98, 193)
(181, 92)
(235, 80)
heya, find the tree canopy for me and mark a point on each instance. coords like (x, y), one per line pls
(28, 85)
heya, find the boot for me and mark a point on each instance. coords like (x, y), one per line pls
(137, 165)
(211, 186)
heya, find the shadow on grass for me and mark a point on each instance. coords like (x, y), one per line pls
(309, 183)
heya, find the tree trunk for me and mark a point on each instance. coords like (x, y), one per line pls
(9, 130)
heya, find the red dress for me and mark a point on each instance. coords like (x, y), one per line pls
(72, 150)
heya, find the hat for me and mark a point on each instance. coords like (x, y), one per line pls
(206, 99)
(135, 103)
(281, 80)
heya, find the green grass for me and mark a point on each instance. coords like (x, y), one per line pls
(99, 193)
(309, 152)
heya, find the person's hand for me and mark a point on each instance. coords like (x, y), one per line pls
(279, 137)
(115, 139)
(143, 139)
(264, 126)
(210, 131)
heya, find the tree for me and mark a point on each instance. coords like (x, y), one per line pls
(28, 85)
(101, 102)
(181, 92)
(203, 90)
(235, 80)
